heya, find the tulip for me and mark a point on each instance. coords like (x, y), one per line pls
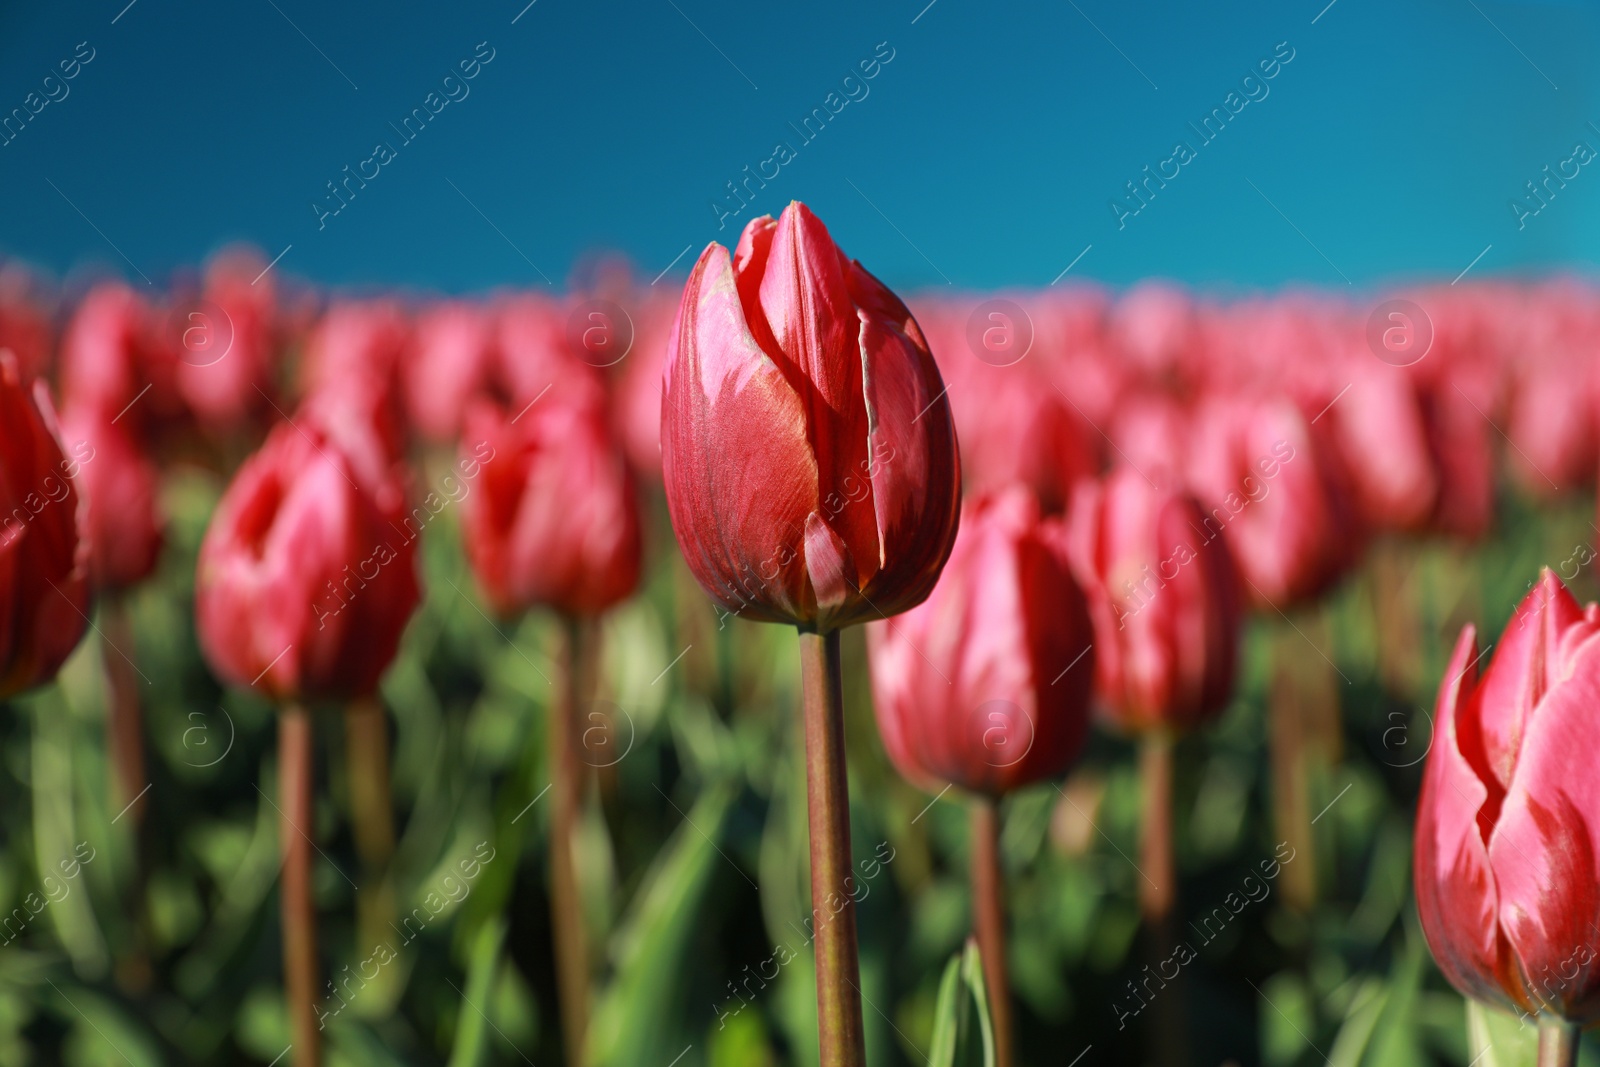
(986, 684)
(105, 350)
(1017, 429)
(812, 476)
(1506, 830)
(972, 687)
(450, 361)
(807, 448)
(44, 561)
(305, 580)
(224, 339)
(1274, 496)
(554, 520)
(121, 517)
(1163, 599)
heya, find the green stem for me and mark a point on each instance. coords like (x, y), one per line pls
(840, 1038)
(989, 920)
(566, 906)
(1558, 1044)
(298, 821)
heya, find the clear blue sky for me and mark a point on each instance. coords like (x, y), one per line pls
(984, 153)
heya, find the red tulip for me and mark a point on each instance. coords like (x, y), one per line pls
(1377, 424)
(986, 684)
(1274, 496)
(808, 453)
(450, 362)
(103, 354)
(1017, 429)
(554, 519)
(120, 487)
(224, 340)
(306, 577)
(1508, 824)
(1163, 600)
(44, 572)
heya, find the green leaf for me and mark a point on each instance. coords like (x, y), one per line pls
(962, 1034)
(1498, 1039)
(639, 1018)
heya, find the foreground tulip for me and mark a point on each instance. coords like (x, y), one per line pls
(1508, 823)
(305, 581)
(44, 563)
(986, 686)
(808, 453)
(812, 475)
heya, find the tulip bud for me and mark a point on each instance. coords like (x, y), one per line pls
(1272, 493)
(449, 364)
(120, 486)
(808, 453)
(986, 684)
(1507, 824)
(1163, 601)
(44, 572)
(553, 518)
(306, 576)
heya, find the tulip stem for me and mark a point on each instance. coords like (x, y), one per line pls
(1157, 886)
(566, 907)
(124, 732)
(366, 754)
(1558, 1044)
(297, 823)
(989, 920)
(840, 1038)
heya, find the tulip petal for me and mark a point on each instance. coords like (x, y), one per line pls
(1545, 851)
(830, 568)
(808, 304)
(1457, 896)
(736, 455)
(913, 465)
(1524, 667)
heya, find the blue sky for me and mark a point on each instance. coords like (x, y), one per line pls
(984, 153)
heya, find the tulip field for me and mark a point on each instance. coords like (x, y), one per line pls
(766, 667)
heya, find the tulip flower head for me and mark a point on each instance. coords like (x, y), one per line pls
(122, 520)
(1508, 824)
(808, 452)
(1163, 599)
(44, 562)
(306, 577)
(986, 684)
(554, 520)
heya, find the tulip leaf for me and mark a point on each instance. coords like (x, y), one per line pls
(1498, 1039)
(639, 1018)
(962, 1034)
